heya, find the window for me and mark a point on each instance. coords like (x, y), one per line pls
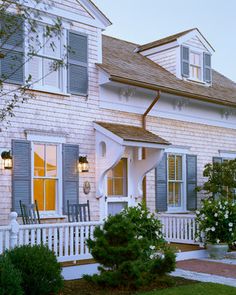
(117, 179)
(175, 181)
(45, 176)
(195, 66)
(47, 54)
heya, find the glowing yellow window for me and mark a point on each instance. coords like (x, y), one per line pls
(45, 176)
(117, 179)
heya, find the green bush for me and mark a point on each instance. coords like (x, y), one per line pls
(40, 271)
(10, 278)
(131, 249)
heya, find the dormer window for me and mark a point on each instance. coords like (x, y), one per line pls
(195, 66)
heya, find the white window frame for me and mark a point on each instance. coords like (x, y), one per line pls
(192, 65)
(54, 140)
(63, 71)
(180, 151)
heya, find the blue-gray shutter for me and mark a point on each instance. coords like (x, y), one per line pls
(191, 181)
(21, 173)
(161, 185)
(77, 63)
(70, 156)
(207, 72)
(217, 160)
(12, 47)
(185, 61)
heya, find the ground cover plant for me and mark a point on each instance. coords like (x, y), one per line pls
(130, 249)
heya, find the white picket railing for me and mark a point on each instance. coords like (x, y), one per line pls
(179, 228)
(67, 240)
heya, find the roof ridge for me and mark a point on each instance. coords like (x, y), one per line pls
(115, 38)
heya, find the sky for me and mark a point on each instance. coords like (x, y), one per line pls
(143, 21)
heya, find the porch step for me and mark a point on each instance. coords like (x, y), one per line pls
(77, 262)
(185, 247)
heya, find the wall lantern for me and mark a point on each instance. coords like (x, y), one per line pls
(83, 164)
(7, 159)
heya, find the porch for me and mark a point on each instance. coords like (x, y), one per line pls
(68, 240)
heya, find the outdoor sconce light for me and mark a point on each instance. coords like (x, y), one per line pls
(83, 164)
(7, 159)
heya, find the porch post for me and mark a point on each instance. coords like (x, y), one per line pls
(14, 231)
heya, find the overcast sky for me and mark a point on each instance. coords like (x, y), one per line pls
(143, 21)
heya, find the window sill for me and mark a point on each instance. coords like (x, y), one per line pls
(45, 90)
(52, 216)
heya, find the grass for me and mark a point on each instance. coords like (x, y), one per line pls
(195, 289)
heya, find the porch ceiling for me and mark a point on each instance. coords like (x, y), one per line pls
(131, 134)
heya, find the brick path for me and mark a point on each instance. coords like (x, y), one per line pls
(208, 267)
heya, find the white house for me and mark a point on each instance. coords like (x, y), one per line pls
(148, 118)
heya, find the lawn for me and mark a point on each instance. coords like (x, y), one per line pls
(195, 289)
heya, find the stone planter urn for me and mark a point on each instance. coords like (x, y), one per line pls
(217, 251)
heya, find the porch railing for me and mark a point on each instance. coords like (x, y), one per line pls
(179, 228)
(67, 240)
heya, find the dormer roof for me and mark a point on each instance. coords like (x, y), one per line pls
(176, 38)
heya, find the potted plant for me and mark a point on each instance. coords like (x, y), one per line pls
(217, 225)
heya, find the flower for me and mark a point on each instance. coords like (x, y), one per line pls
(226, 203)
(217, 223)
(213, 228)
(217, 241)
(215, 214)
(152, 256)
(152, 247)
(230, 229)
(226, 216)
(140, 237)
(230, 224)
(197, 212)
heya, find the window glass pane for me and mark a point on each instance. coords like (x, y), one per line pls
(39, 160)
(171, 162)
(118, 169)
(118, 187)
(39, 193)
(50, 194)
(171, 194)
(35, 69)
(116, 207)
(51, 77)
(52, 47)
(179, 172)
(51, 164)
(177, 200)
(109, 187)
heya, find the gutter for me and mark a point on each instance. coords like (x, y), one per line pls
(170, 91)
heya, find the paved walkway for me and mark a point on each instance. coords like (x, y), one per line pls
(207, 270)
(209, 267)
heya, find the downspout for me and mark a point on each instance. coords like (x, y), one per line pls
(144, 125)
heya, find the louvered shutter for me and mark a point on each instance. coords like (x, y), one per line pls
(161, 185)
(70, 154)
(185, 61)
(12, 47)
(77, 63)
(191, 181)
(207, 72)
(21, 173)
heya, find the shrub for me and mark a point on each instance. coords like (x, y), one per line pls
(217, 220)
(130, 249)
(10, 278)
(40, 271)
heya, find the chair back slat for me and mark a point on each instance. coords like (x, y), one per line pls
(78, 212)
(30, 213)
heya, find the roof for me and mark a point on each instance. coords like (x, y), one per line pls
(164, 40)
(125, 65)
(133, 133)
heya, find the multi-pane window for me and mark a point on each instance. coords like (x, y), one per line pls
(47, 53)
(117, 179)
(45, 176)
(195, 66)
(175, 180)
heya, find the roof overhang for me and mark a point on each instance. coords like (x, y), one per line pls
(98, 19)
(131, 143)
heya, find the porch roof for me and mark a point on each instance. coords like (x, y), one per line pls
(133, 133)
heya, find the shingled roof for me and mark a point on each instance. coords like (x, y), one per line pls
(133, 133)
(124, 64)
